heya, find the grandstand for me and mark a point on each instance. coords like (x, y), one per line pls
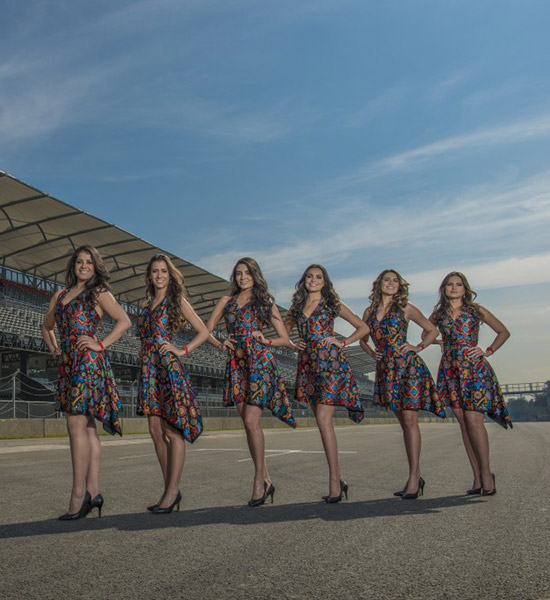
(37, 235)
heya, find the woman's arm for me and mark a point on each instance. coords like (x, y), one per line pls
(498, 327)
(48, 326)
(363, 342)
(280, 329)
(361, 328)
(424, 334)
(107, 303)
(214, 319)
(290, 323)
(429, 332)
(196, 323)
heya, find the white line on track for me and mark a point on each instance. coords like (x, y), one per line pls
(286, 452)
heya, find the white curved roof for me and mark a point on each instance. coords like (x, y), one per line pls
(38, 233)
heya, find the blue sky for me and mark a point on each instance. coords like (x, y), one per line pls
(358, 134)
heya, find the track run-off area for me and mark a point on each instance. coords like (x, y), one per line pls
(443, 545)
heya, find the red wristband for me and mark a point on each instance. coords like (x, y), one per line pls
(269, 342)
(344, 343)
(490, 349)
(186, 350)
(421, 346)
(101, 346)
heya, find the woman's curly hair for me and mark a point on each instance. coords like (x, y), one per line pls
(443, 307)
(97, 284)
(174, 293)
(328, 293)
(262, 301)
(400, 298)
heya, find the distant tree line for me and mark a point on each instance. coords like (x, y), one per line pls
(536, 409)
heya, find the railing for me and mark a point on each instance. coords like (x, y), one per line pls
(16, 389)
(525, 388)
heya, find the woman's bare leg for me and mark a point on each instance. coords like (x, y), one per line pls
(80, 456)
(325, 422)
(408, 419)
(459, 415)
(176, 459)
(251, 416)
(161, 443)
(480, 443)
(92, 477)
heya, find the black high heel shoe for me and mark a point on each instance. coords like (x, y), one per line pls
(343, 492)
(159, 510)
(399, 493)
(84, 510)
(152, 507)
(414, 495)
(268, 491)
(473, 491)
(490, 492)
(97, 502)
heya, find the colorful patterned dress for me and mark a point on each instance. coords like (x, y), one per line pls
(464, 382)
(251, 374)
(324, 375)
(164, 388)
(403, 381)
(85, 385)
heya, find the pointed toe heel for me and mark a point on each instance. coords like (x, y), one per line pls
(79, 514)
(419, 491)
(159, 510)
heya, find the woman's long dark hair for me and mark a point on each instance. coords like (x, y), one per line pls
(328, 293)
(443, 306)
(96, 284)
(262, 301)
(174, 293)
(400, 298)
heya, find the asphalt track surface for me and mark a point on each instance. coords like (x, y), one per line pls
(444, 545)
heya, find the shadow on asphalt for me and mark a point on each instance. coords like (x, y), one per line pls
(242, 515)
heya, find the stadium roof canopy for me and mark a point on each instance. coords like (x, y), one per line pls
(38, 233)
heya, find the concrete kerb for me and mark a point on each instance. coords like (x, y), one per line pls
(38, 428)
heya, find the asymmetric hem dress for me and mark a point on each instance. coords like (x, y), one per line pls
(86, 384)
(324, 375)
(252, 374)
(165, 388)
(464, 382)
(403, 381)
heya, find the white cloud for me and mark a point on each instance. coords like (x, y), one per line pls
(491, 216)
(520, 131)
(508, 272)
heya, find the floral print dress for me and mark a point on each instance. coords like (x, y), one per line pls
(403, 381)
(464, 382)
(164, 388)
(252, 374)
(85, 385)
(324, 375)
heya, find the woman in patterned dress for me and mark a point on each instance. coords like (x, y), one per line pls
(86, 389)
(165, 394)
(253, 380)
(466, 380)
(324, 378)
(403, 382)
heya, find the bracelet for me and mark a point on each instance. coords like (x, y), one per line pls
(344, 343)
(421, 346)
(186, 350)
(490, 349)
(101, 345)
(269, 342)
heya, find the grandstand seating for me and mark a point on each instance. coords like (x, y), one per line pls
(22, 310)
